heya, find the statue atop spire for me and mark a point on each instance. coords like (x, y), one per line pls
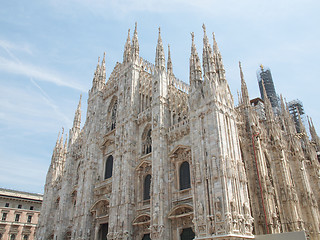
(160, 59)
(135, 44)
(127, 49)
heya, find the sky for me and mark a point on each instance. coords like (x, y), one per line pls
(49, 51)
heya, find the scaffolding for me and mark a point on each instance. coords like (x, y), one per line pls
(264, 76)
(296, 109)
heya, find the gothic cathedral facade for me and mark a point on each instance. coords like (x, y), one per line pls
(160, 159)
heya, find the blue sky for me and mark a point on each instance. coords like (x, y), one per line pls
(49, 50)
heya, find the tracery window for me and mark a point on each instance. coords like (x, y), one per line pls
(25, 237)
(13, 237)
(146, 142)
(146, 187)
(108, 167)
(184, 176)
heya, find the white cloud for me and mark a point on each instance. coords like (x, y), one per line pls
(15, 47)
(40, 74)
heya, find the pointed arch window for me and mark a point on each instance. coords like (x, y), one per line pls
(114, 115)
(187, 234)
(147, 142)
(184, 176)
(108, 167)
(146, 187)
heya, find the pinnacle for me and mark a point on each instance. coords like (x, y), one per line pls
(160, 59)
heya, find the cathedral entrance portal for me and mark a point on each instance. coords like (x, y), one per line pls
(103, 231)
(187, 234)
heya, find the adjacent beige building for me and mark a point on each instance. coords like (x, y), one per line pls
(19, 214)
(161, 159)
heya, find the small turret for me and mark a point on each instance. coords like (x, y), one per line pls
(96, 76)
(75, 130)
(160, 58)
(218, 60)
(195, 67)
(102, 77)
(267, 105)
(207, 57)
(135, 45)
(169, 63)
(244, 89)
(127, 50)
(314, 136)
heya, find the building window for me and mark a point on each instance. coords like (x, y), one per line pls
(108, 167)
(31, 207)
(184, 175)
(146, 187)
(29, 219)
(57, 202)
(114, 115)
(187, 234)
(19, 206)
(74, 198)
(17, 217)
(13, 237)
(7, 204)
(146, 237)
(0, 236)
(25, 237)
(4, 216)
(146, 141)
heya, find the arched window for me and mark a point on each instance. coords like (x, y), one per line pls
(146, 237)
(74, 198)
(25, 237)
(13, 237)
(114, 115)
(146, 142)
(187, 234)
(108, 167)
(146, 187)
(184, 174)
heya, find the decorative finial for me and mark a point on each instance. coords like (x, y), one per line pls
(104, 55)
(98, 59)
(135, 26)
(240, 66)
(129, 32)
(159, 30)
(213, 36)
(192, 37)
(204, 28)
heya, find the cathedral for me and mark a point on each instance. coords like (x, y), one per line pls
(160, 159)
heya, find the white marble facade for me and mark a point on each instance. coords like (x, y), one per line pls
(160, 159)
